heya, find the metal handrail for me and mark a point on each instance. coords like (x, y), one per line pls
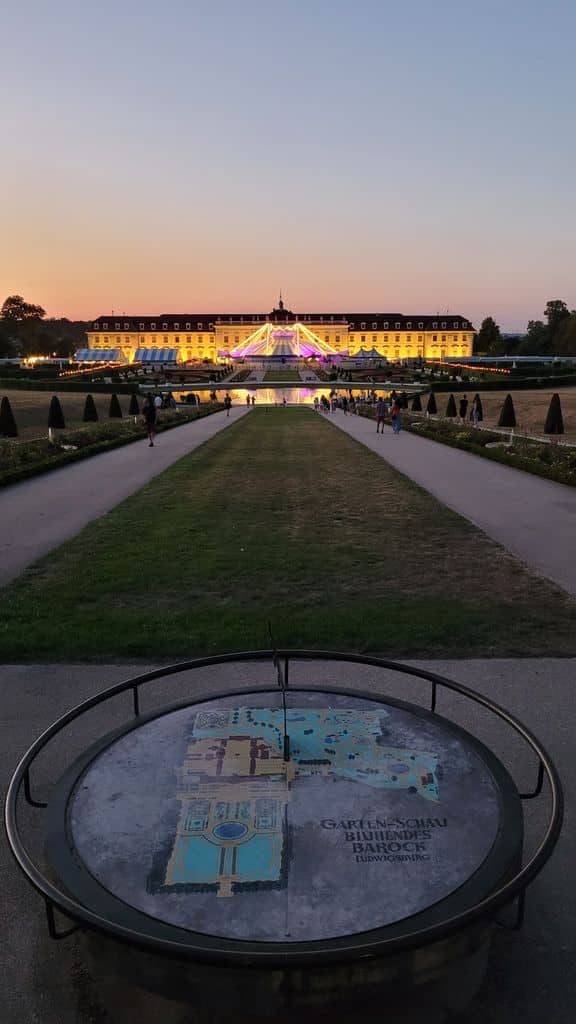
(506, 894)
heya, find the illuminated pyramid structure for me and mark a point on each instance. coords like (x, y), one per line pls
(282, 340)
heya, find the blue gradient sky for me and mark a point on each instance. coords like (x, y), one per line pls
(360, 155)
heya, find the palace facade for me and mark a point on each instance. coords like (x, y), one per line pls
(219, 336)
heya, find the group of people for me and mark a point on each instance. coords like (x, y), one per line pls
(393, 408)
(475, 413)
(347, 405)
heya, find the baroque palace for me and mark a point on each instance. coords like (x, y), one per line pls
(179, 337)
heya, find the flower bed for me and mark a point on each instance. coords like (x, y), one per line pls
(552, 461)
(21, 459)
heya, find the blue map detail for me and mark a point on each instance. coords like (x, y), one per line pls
(234, 787)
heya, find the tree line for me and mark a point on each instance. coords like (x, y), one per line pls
(25, 331)
(555, 335)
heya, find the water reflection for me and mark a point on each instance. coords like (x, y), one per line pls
(276, 396)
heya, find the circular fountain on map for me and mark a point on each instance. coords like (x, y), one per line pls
(384, 819)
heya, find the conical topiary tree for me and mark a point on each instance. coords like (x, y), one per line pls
(450, 408)
(554, 422)
(133, 408)
(479, 409)
(90, 411)
(507, 416)
(115, 412)
(8, 426)
(431, 407)
(55, 416)
(416, 404)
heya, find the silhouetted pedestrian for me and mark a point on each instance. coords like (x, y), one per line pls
(149, 415)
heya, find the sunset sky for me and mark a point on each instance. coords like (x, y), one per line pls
(199, 155)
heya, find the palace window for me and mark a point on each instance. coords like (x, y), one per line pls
(199, 326)
(465, 323)
(176, 326)
(117, 326)
(118, 340)
(374, 339)
(409, 325)
(397, 339)
(225, 339)
(126, 327)
(142, 339)
(164, 327)
(363, 327)
(408, 339)
(177, 341)
(337, 339)
(374, 327)
(187, 326)
(386, 326)
(443, 337)
(351, 338)
(236, 339)
(141, 326)
(397, 326)
(421, 325)
(200, 339)
(454, 337)
(104, 327)
(419, 339)
(434, 337)
(362, 339)
(188, 339)
(106, 342)
(166, 339)
(327, 339)
(152, 327)
(96, 342)
(455, 323)
(385, 339)
(443, 325)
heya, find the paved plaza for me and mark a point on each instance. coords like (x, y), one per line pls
(531, 977)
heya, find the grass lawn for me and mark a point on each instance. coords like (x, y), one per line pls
(281, 518)
(30, 408)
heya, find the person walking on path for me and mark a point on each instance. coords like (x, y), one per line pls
(380, 415)
(253, 400)
(396, 413)
(344, 405)
(248, 400)
(463, 409)
(149, 415)
(227, 404)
